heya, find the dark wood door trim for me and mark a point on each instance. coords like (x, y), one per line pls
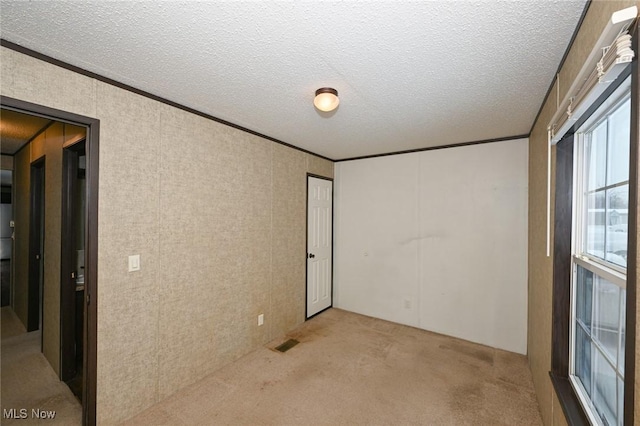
(91, 240)
(68, 370)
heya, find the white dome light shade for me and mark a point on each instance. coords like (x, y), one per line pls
(326, 99)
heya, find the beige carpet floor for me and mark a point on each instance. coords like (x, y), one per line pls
(28, 381)
(11, 325)
(349, 369)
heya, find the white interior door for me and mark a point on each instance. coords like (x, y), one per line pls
(319, 244)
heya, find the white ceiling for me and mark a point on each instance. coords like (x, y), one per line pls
(409, 74)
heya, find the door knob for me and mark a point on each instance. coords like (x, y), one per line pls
(311, 255)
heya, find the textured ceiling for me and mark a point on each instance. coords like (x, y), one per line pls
(16, 129)
(409, 74)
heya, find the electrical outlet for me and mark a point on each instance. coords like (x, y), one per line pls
(407, 303)
(260, 319)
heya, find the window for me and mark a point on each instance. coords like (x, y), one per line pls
(599, 259)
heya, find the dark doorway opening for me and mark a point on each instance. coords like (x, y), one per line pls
(72, 292)
(81, 329)
(36, 246)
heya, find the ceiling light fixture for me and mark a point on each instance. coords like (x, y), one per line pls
(326, 99)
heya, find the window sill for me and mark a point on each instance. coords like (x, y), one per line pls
(573, 412)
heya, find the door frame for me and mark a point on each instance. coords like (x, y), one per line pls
(36, 244)
(306, 244)
(67, 293)
(91, 241)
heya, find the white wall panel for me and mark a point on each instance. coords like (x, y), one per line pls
(437, 240)
(375, 246)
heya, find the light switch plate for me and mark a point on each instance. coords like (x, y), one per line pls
(260, 319)
(134, 263)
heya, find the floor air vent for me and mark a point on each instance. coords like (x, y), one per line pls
(287, 345)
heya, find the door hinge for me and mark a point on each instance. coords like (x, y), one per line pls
(88, 299)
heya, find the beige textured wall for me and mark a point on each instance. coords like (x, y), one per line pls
(218, 217)
(540, 266)
(21, 209)
(48, 145)
(53, 140)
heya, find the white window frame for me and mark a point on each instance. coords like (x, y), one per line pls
(609, 271)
